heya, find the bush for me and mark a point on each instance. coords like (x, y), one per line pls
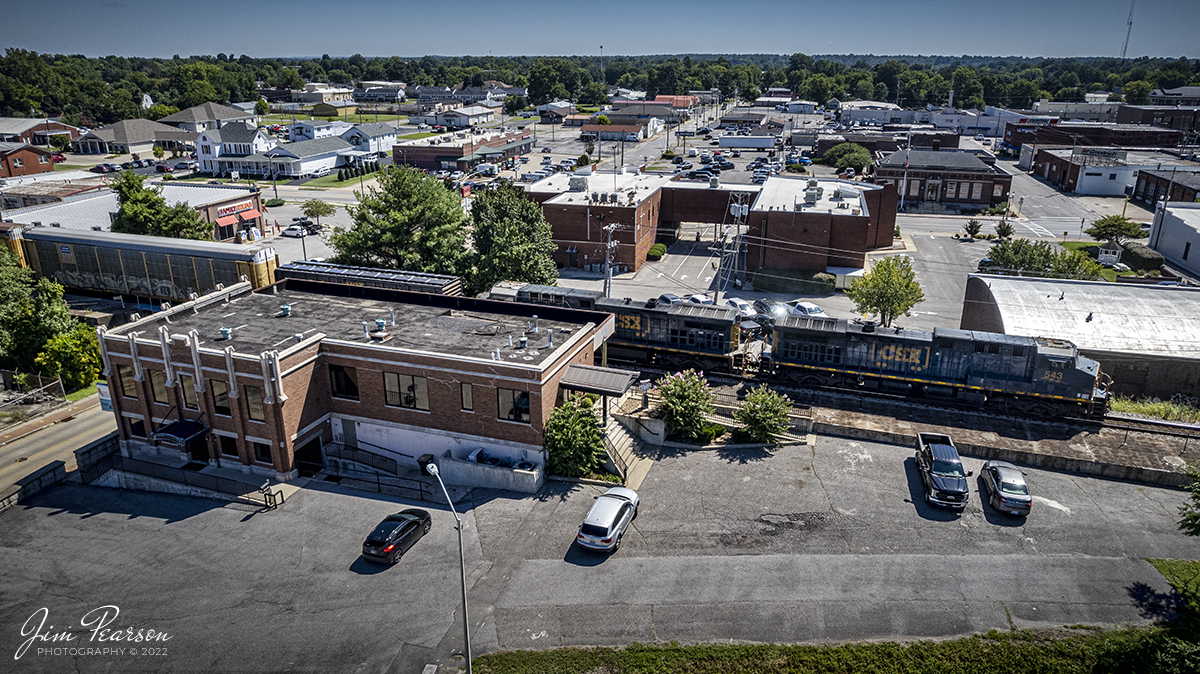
(574, 439)
(583, 160)
(685, 398)
(668, 155)
(764, 413)
(1142, 257)
(794, 282)
(272, 203)
(656, 252)
(341, 175)
(972, 228)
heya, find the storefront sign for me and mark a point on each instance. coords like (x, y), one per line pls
(234, 208)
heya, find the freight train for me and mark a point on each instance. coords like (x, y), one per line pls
(1025, 375)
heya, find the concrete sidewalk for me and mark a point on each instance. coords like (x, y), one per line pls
(61, 414)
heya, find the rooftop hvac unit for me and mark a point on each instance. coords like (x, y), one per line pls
(714, 182)
(577, 184)
(55, 224)
(36, 223)
(810, 196)
(595, 196)
(812, 182)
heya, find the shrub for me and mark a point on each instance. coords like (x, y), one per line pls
(764, 413)
(583, 160)
(656, 252)
(341, 175)
(574, 439)
(1004, 229)
(972, 227)
(272, 203)
(685, 399)
(1142, 257)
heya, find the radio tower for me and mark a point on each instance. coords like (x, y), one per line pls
(1129, 30)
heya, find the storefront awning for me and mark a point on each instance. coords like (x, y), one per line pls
(180, 432)
(599, 380)
(250, 214)
(227, 220)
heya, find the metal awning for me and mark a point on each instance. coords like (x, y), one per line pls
(599, 380)
(249, 214)
(227, 220)
(180, 432)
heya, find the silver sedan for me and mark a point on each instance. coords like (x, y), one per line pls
(1007, 491)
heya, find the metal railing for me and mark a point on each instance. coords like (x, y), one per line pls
(617, 459)
(337, 450)
(234, 488)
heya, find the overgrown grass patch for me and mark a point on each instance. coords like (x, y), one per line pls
(417, 136)
(1061, 652)
(1163, 409)
(81, 393)
(776, 280)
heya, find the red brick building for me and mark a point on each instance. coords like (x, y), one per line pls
(1089, 133)
(34, 131)
(22, 159)
(1171, 117)
(273, 380)
(946, 177)
(462, 150)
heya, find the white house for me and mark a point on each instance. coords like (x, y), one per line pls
(208, 116)
(468, 116)
(1176, 234)
(297, 160)
(219, 151)
(801, 107)
(371, 137)
(313, 129)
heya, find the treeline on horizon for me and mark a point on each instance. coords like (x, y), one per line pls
(95, 91)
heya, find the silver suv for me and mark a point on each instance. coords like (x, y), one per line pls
(608, 519)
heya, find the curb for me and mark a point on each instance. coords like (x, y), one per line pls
(581, 480)
(39, 424)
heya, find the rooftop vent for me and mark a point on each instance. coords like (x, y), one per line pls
(285, 309)
(55, 224)
(226, 333)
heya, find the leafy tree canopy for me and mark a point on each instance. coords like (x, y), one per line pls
(512, 240)
(143, 210)
(1115, 227)
(888, 290)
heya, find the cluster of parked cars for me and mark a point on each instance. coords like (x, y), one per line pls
(302, 227)
(945, 481)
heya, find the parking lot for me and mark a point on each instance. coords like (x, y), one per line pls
(805, 543)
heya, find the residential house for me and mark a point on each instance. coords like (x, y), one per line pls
(209, 116)
(301, 159)
(312, 129)
(225, 149)
(372, 137)
(19, 159)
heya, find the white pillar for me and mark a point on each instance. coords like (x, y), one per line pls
(194, 343)
(229, 369)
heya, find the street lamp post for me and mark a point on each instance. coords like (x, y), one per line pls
(462, 566)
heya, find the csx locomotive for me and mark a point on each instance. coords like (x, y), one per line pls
(1027, 375)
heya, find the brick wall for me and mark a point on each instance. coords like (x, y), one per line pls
(31, 161)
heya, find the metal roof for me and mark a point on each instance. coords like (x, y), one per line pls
(94, 209)
(598, 380)
(149, 244)
(710, 311)
(939, 159)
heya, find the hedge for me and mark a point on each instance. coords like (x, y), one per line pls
(1141, 256)
(656, 252)
(773, 280)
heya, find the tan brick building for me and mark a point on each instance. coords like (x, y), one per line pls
(236, 379)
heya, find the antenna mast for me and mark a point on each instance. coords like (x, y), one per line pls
(1125, 46)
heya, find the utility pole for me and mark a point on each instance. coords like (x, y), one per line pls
(610, 249)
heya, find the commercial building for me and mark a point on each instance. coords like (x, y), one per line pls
(1146, 337)
(1182, 96)
(1176, 233)
(30, 191)
(320, 92)
(634, 113)
(34, 131)
(232, 209)
(1181, 118)
(1084, 112)
(1174, 184)
(343, 108)
(1101, 171)
(21, 159)
(207, 116)
(875, 141)
(1089, 133)
(616, 132)
(286, 377)
(462, 150)
(134, 136)
(456, 118)
(945, 178)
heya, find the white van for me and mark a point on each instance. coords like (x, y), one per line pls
(321, 172)
(692, 152)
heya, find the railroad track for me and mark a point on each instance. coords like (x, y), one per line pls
(814, 396)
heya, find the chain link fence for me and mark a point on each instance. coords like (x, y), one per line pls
(24, 396)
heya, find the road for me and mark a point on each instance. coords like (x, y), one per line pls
(57, 442)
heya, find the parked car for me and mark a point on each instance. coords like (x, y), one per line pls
(678, 159)
(396, 535)
(758, 180)
(321, 172)
(699, 299)
(801, 308)
(698, 175)
(457, 175)
(776, 310)
(668, 298)
(100, 168)
(735, 153)
(686, 166)
(183, 165)
(127, 166)
(1006, 488)
(546, 150)
(723, 165)
(163, 168)
(941, 471)
(745, 309)
(606, 522)
(296, 231)
(57, 158)
(704, 129)
(214, 182)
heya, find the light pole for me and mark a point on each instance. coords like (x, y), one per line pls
(462, 565)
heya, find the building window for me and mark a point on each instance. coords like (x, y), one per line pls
(997, 190)
(254, 402)
(513, 405)
(262, 452)
(1187, 248)
(158, 386)
(137, 428)
(17, 162)
(189, 392)
(228, 445)
(128, 385)
(468, 398)
(1112, 176)
(220, 393)
(204, 149)
(403, 390)
(951, 190)
(41, 160)
(343, 382)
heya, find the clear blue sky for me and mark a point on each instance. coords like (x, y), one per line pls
(1052, 28)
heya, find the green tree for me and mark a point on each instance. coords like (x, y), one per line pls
(513, 240)
(972, 228)
(1021, 255)
(315, 208)
(142, 210)
(603, 120)
(1115, 227)
(1189, 512)
(848, 155)
(261, 107)
(515, 104)
(16, 282)
(888, 290)
(750, 94)
(1075, 264)
(158, 152)
(74, 356)
(159, 110)
(685, 399)
(574, 438)
(406, 221)
(764, 413)
(1137, 92)
(1004, 229)
(35, 315)
(60, 142)
(594, 93)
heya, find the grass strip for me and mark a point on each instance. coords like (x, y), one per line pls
(1163, 409)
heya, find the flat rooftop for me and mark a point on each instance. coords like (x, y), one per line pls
(439, 324)
(1133, 157)
(460, 138)
(642, 185)
(93, 209)
(781, 193)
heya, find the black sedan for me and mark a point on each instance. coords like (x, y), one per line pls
(395, 535)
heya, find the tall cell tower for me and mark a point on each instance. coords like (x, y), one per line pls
(1129, 30)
